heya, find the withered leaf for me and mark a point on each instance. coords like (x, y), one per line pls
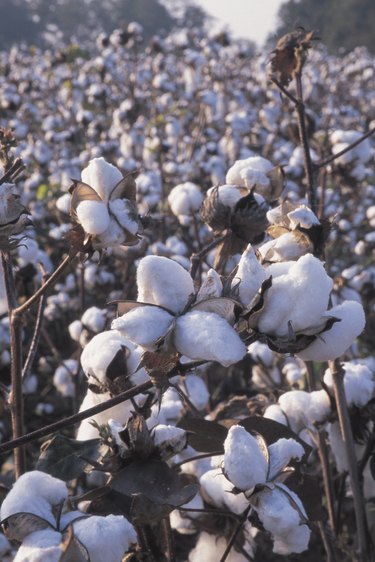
(309, 491)
(67, 458)
(249, 219)
(277, 179)
(137, 437)
(18, 526)
(80, 192)
(125, 189)
(225, 307)
(73, 549)
(214, 213)
(290, 54)
(271, 431)
(203, 435)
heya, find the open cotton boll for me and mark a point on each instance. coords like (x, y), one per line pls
(261, 352)
(299, 297)
(228, 195)
(244, 462)
(283, 248)
(196, 390)
(169, 439)
(62, 378)
(210, 548)
(302, 408)
(183, 521)
(41, 546)
(94, 318)
(106, 538)
(34, 492)
(358, 383)
(207, 336)
(249, 277)
(274, 412)
(93, 216)
(120, 413)
(185, 199)
(296, 540)
(100, 351)
(302, 216)
(164, 282)
(75, 330)
(249, 171)
(101, 176)
(334, 342)
(125, 214)
(144, 325)
(217, 490)
(211, 286)
(281, 453)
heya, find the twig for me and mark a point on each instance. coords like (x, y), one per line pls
(36, 337)
(196, 258)
(80, 416)
(345, 150)
(15, 169)
(235, 534)
(15, 396)
(198, 457)
(327, 479)
(347, 436)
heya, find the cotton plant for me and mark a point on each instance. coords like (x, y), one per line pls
(185, 201)
(92, 322)
(35, 514)
(63, 378)
(103, 203)
(279, 508)
(110, 363)
(258, 173)
(168, 317)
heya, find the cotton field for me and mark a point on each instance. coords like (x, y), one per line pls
(187, 301)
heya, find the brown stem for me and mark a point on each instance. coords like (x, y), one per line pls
(168, 540)
(345, 150)
(15, 396)
(197, 258)
(35, 339)
(15, 169)
(347, 436)
(327, 479)
(198, 457)
(80, 416)
(309, 169)
(328, 546)
(235, 534)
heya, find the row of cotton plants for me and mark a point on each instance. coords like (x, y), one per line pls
(187, 307)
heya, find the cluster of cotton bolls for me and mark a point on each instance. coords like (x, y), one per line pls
(187, 207)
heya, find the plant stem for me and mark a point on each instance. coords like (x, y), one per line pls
(76, 418)
(235, 534)
(327, 161)
(327, 479)
(347, 436)
(197, 258)
(15, 396)
(36, 337)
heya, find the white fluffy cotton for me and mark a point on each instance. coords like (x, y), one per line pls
(245, 464)
(94, 319)
(217, 490)
(185, 200)
(41, 546)
(249, 172)
(358, 383)
(249, 277)
(93, 216)
(101, 176)
(205, 335)
(281, 453)
(163, 282)
(334, 342)
(144, 325)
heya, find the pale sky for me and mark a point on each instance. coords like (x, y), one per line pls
(252, 19)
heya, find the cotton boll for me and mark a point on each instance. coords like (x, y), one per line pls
(205, 335)
(228, 195)
(243, 172)
(93, 216)
(41, 546)
(274, 412)
(210, 548)
(185, 199)
(63, 203)
(297, 540)
(241, 448)
(249, 277)
(144, 325)
(101, 176)
(302, 408)
(302, 216)
(182, 521)
(163, 282)
(217, 490)
(334, 342)
(358, 383)
(261, 352)
(120, 413)
(197, 391)
(75, 330)
(118, 533)
(211, 286)
(280, 454)
(94, 319)
(100, 351)
(37, 493)
(62, 379)
(170, 440)
(125, 213)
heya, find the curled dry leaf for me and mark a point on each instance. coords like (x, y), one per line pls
(290, 54)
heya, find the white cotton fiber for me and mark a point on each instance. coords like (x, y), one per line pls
(205, 335)
(299, 297)
(99, 353)
(281, 453)
(228, 195)
(101, 176)
(144, 325)
(245, 465)
(93, 216)
(164, 282)
(34, 492)
(249, 172)
(302, 216)
(120, 413)
(296, 540)
(210, 548)
(211, 286)
(125, 213)
(185, 199)
(249, 277)
(217, 490)
(196, 390)
(106, 538)
(274, 412)
(334, 342)
(358, 383)
(94, 319)
(303, 408)
(170, 440)
(182, 520)
(41, 546)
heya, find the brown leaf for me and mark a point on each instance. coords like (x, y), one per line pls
(18, 526)
(203, 435)
(290, 54)
(249, 219)
(309, 491)
(80, 191)
(137, 437)
(225, 307)
(73, 549)
(125, 189)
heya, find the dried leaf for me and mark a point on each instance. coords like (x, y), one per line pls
(277, 180)
(249, 219)
(73, 549)
(203, 435)
(309, 491)
(80, 192)
(290, 54)
(18, 526)
(65, 458)
(137, 437)
(225, 307)
(125, 189)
